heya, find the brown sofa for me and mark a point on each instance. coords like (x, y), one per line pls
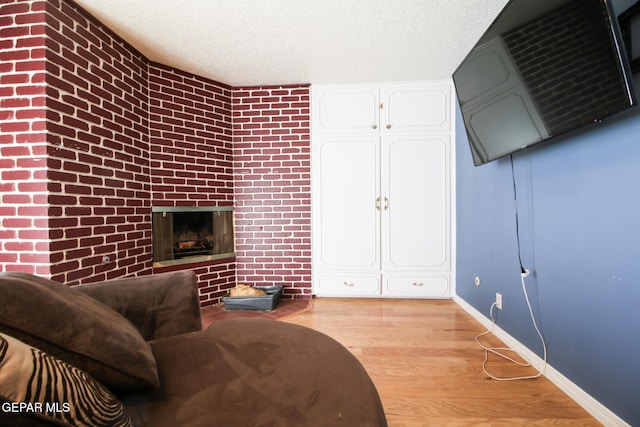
(132, 352)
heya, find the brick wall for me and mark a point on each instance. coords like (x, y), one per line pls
(93, 134)
(272, 187)
(191, 157)
(190, 128)
(98, 151)
(24, 228)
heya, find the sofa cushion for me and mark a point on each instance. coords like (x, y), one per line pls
(76, 329)
(38, 386)
(256, 372)
(159, 305)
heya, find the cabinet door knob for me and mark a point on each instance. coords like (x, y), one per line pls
(418, 284)
(374, 127)
(389, 126)
(349, 284)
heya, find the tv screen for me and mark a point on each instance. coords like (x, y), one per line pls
(542, 69)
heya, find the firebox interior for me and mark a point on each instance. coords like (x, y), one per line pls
(184, 235)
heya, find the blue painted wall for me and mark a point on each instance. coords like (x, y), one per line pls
(579, 216)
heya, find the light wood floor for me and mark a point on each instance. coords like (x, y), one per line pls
(422, 356)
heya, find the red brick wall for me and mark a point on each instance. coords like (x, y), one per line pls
(272, 187)
(92, 135)
(98, 151)
(98, 96)
(190, 128)
(24, 229)
(191, 157)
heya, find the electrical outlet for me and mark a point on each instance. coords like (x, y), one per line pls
(499, 300)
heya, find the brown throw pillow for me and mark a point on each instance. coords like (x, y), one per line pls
(36, 385)
(76, 329)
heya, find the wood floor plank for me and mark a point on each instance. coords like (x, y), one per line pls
(423, 358)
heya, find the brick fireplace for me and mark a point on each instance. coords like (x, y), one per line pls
(93, 135)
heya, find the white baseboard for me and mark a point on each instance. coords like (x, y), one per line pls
(582, 398)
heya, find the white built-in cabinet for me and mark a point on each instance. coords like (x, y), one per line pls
(382, 190)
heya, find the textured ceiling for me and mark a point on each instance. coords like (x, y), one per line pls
(273, 42)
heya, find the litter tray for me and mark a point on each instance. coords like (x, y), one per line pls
(266, 302)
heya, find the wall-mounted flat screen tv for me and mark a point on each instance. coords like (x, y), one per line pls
(542, 69)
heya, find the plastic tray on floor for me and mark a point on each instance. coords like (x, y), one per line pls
(266, 302)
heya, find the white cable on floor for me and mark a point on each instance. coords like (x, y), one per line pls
(499, 350)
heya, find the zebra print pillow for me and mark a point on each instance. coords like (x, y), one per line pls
(36, 384)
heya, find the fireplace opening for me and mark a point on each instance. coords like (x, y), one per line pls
(182, 235)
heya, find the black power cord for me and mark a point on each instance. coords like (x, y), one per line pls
(515, 202)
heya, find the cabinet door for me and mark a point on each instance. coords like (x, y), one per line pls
(342, 109)
(346, 222)
(417, 285)
(416, 219)
(351, 284)
(422, 107)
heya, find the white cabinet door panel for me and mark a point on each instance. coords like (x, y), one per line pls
(416, 108)
(347, 180)
(416, 225)
(417, 285)
(348, 284)
(345, 109)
